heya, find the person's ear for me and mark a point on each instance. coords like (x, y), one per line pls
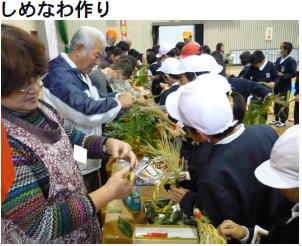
(79, 49)
(166, 78)
(200, 136)
(119, 74)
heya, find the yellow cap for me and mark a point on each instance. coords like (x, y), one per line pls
(186, 34)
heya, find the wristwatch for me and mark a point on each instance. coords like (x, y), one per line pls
(104, 148)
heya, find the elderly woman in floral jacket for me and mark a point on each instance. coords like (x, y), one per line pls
(48, 201)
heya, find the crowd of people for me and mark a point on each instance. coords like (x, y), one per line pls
(52, 109)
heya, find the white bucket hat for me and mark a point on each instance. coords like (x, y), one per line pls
(202, 105)
(170, 66)
(200, 63)
(163, 50)
(281, 171)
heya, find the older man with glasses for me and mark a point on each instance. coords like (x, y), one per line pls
(68, 88)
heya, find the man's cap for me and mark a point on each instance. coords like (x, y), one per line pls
(281, 171)
(203, 104)
(200, 63)
(189, 49)
(170, 66)
(112, 33)
(186, 34)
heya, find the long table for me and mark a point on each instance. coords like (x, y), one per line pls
(111, 232)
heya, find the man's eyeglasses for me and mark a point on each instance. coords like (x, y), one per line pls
(34, 82)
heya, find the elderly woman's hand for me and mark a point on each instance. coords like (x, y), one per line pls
(117, 186)
(121, 150)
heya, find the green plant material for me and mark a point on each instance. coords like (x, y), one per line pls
(162, 203)
(259, 108)
(176, 216)
(170, 217)
(163, 220)
(134, 127)
(150, 212)
(125, 227)
(208, 234)
(113, 211)
(139, 125)
(157, 113)
(169, 150)
(62, 30)
(262, 83)
(168, 210)
(205, 219)
(142, 78)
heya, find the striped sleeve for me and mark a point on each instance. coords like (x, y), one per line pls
(92, 143)
(26, 203)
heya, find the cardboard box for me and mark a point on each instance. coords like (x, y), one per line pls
(177, 234)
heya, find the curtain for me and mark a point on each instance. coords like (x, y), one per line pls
(62, 30)
(155, 33)
(199, 33)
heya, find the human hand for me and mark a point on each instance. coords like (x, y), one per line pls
(297, 98)
(164, 86)
(229, 229)
(280, 74)
(271, 85)
(126, 100)
(177, 194)
(121, 150)
(142, 100)
(116, 185)
(154, 77)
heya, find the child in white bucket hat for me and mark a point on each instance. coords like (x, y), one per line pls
(281, 171)
(170, 69)
(223, 185)
(193, 66)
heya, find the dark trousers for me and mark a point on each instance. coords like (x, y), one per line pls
(296, 113)
(281, 112)
(92, 181)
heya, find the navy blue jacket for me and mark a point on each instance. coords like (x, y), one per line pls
(289, 68)
(247, 87)
(268, 74)
(66, 91)
(164, 94)
(243, 71)
(226, 187)
(153, 68)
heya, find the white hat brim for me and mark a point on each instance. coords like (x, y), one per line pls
(272, 177)
(217, 69)
(172, 104)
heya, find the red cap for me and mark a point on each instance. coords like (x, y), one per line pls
(189, 50)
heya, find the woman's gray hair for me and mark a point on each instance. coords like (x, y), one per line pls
(87, 36)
